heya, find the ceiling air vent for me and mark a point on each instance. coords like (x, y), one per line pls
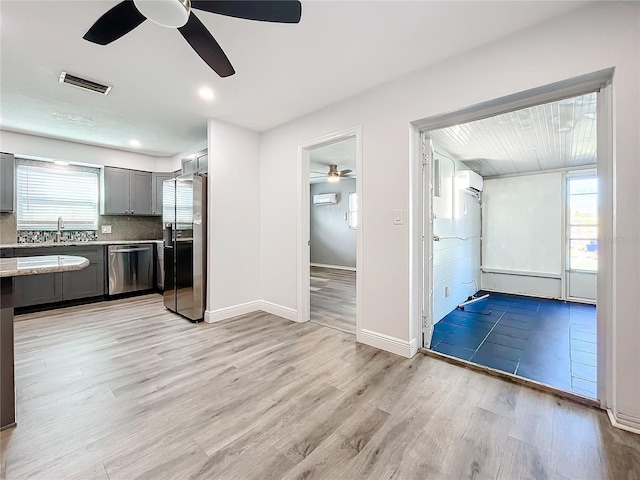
(84, 83)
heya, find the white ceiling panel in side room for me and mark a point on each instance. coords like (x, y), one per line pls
(555, 135)
(342, 154)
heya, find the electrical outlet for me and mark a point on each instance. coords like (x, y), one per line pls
(446, 291)
(106, 229)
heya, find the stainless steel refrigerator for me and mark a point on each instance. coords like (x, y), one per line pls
(184, 214)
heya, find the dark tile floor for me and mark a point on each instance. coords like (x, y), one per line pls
(549, 341)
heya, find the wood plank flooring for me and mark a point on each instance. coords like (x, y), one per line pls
(333, 298)
(125, 390)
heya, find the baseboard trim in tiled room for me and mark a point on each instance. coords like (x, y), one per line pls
(549, 341)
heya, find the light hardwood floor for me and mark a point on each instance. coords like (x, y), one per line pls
(125, 390)
(333, 298)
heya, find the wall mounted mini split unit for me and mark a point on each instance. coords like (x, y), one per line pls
(469, 180)
(325, 199)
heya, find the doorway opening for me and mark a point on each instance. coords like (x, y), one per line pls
(330, 231)
(333, 224)
(512, 252)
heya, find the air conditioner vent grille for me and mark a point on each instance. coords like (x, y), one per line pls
(84, 83)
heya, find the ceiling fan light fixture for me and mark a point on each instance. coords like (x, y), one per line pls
(335, 178)
(167, 13)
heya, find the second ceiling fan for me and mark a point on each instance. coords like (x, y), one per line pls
(127, 15)
(333, 175)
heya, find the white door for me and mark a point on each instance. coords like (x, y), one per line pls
(427, 240)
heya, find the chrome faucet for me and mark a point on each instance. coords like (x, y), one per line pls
(60, 227)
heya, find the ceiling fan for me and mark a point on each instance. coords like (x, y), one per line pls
(333, 175)
(127, 15)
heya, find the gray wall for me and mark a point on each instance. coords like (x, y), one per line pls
(332, 241)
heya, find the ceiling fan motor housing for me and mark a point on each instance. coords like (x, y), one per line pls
(167, 13)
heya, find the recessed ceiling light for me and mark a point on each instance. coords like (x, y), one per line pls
(206, 93)
(61, 162)
(134, 143)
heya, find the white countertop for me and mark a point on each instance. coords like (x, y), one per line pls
(14, 267)
(76, 244)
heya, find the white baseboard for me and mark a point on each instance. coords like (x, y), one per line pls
(279, 310)
(390, 344)
(336, 267)
(624, 422)
(213, 316)
(413, 346)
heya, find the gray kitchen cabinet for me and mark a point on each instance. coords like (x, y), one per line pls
(32, 290)
(115, 191)
(156, 191)
(140, 198)
(189, 164)
(88, 282)
(196, 162)
(7, 182)
(125, 192)
(202, 161)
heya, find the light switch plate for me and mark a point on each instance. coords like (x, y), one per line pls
(106, 229)
(398, 216)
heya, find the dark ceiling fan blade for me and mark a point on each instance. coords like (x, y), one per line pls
(117, 22)
(280, 11)
(197, 35)
(345, 172)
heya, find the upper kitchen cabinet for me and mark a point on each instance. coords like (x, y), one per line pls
(126, 192)
(140, 193)
(197, 162)
(7, 182)
(156, 191)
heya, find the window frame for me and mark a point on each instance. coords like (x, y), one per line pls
(570, 176)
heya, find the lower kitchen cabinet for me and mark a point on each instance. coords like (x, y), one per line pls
(31, 290)
(34, 290)
(88, 282)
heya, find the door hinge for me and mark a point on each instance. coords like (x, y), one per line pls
(425, 321)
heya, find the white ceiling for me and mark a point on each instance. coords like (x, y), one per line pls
(339, 49)
(554, 135)
(342, 154)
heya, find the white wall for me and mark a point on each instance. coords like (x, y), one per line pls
(52, 148)
(233, 221)
(596, 37)
(456, 256)
(522, 239)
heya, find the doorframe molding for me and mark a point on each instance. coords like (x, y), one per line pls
(600, 81)
(303, 223)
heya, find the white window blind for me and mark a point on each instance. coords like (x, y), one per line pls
(44, 194)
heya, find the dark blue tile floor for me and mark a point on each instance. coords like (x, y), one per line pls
(548, 341)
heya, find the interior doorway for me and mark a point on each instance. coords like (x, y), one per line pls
(333, 224)
(511, 255)
(330, 231)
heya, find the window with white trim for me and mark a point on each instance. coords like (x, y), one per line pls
(46, 193)
(582, 210)
(353, 210)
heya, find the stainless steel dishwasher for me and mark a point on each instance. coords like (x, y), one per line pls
(130, 268)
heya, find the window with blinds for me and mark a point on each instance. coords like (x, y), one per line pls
(44, 194)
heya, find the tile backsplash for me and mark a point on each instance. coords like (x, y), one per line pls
(122, 228)
(44, 236)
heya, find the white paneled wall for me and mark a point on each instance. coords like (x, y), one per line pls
(456, 256)
(522, 234)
